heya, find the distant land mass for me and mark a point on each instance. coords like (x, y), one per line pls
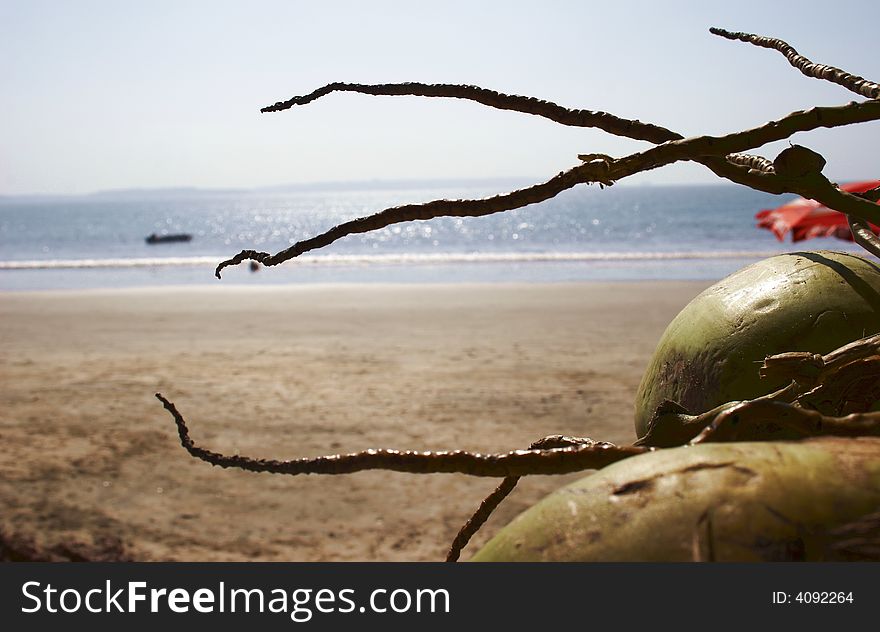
(502, 184)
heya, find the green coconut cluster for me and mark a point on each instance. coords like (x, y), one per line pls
(758, 501)
(764, 501)
(710, 353)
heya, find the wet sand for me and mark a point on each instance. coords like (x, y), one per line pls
(90, 454)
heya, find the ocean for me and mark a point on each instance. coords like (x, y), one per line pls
(614, 234)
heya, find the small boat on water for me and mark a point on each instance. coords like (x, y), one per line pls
(164, 239)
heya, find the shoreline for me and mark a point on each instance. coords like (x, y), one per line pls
(268, 287)
(396, 269)
(302, 370)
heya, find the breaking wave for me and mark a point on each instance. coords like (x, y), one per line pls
(392, 259)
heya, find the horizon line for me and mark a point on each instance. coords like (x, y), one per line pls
(320, 185)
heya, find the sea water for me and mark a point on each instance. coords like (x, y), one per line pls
(587, 233)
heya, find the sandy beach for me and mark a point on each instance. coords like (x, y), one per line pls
(281, 372)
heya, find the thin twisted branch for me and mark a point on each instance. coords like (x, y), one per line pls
(818, 383)
(502, 491)
(815, 187)
(861, 231)
(853, 83)
(526, 105)
(752, 416)
(862, 348)
(726, 423)
(808, 369)
(864, 236)
(720, 154)
(699, 147)
(872, 195)
(561, 460)
(811, 377)
(780, 129)
(554, 455)
(429, 210)
(475, 523)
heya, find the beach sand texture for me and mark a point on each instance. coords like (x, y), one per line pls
(284, 372)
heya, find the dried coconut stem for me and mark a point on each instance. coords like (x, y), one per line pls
(748, 416)
(503, 490)
(526, 105)
(864, 236)
(562, 460)
(853, 83)
(780, 129)
(480, 517)
(696, 148)
(788, 408)
(862, 233)
(871, 194)
(720, 154)
(752, 171)
(428, 210)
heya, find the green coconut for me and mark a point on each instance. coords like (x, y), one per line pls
(767, 501)
(804, 301)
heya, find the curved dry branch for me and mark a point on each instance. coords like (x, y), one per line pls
(863, 235)
(753, 416)
(845, 380)
(428, 210)
(475, 523)
(821, 389)
(710, 150)
(858, 349)
(780, 129)
(503, 490)
(814, 187)
(562, 460)
(529, 105)
(809, 369)
(861, 231)
(853, 83)
(720, 154)
(831, 196)
(734, 421)
(526, 105)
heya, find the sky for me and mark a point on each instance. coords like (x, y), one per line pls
(98, 95)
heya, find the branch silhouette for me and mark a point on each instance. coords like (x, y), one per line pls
(796, 170)
(723, 155)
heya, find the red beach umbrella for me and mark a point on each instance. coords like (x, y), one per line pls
(806, 219)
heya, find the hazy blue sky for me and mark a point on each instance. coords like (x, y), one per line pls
(100, 94)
